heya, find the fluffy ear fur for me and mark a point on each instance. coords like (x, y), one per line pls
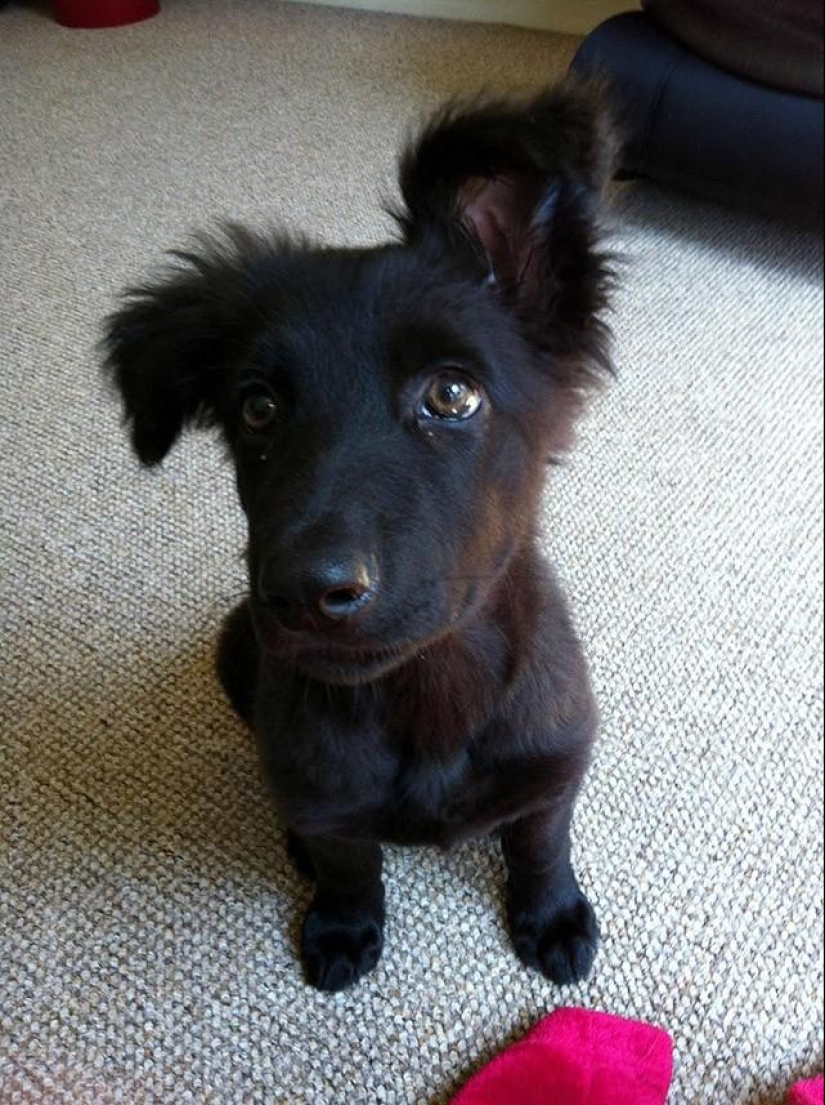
(519, 188)
(168, 347)
(514, 190)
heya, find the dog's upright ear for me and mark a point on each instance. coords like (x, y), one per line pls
(168, 347)
(518, 190)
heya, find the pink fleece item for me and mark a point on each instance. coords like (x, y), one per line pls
(579, 1058)
(808, 1093)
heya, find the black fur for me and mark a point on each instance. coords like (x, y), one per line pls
(405, 657)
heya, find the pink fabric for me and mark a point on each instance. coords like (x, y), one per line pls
(808, 1093)
(579, 1058)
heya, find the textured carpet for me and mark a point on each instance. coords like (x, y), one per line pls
(148, 915)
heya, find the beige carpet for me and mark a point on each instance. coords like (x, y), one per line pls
(147, 911)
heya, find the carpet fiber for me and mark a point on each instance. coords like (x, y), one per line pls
(148, 914)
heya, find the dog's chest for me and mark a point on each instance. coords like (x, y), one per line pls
(358, 779)
(389, 795)
(398, 763)
(426, 795)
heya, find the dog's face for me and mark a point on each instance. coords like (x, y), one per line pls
(390, 412)
(380, 422)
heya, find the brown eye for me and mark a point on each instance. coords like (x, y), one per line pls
(259, 411)
(452, 396)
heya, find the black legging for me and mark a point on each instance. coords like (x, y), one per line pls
(692, 124)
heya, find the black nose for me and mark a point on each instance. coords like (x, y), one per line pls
(332, 591)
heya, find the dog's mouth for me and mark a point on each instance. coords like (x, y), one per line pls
(348, 666)
(335, 663)
(347, 656)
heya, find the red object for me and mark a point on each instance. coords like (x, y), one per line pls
(808, 1093)
(103, 13)
(579, 1058)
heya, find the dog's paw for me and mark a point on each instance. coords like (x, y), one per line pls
(560, 942)
(340, 948)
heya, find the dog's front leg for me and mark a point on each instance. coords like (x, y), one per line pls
(552, 924)
(343, 932)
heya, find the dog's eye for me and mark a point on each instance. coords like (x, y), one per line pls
(452, 396)
(259, 411)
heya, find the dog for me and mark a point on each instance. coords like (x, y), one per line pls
(405, 656)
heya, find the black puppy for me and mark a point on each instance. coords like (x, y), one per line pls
(405, 657)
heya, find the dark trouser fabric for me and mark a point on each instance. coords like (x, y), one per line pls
(777, 42)
(691, 124)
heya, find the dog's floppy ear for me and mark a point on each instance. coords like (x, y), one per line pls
(168, 347)
(518, 188)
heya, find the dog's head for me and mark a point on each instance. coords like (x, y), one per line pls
(390, 412)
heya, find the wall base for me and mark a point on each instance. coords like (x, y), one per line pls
(566, 16)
